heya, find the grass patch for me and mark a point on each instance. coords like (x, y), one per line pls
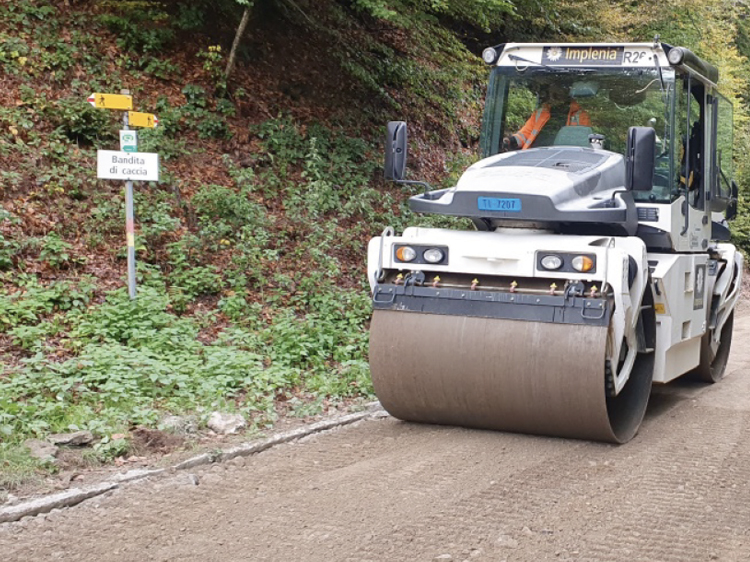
(17, 468)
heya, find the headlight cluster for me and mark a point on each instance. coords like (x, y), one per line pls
(406, 253)
(422, 254)
(554, 261)
(433, 255)
(551, 262)
(582, 263)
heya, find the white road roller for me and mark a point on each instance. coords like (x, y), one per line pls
(600, 262)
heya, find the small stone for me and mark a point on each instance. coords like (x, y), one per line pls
(475, 552)
(179, 425)
(713, 556)
(226, 424)
(526, 531)
(237, 462)
(507, 542)
(41, 450)
(77, 438)
(443, 558)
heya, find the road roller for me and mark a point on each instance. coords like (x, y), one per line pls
(594, 259)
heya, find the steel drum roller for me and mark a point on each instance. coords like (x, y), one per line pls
(508, 375)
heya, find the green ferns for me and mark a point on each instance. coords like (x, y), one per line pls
(133, 360)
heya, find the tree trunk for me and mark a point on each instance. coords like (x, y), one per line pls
(237, 39)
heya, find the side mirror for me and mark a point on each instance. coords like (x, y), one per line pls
(731, 211)
(395, 151)
(640, 159)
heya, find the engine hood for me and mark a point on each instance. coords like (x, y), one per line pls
(550, 187)
(553, 172)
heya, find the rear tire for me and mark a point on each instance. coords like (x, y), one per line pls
(713, 365)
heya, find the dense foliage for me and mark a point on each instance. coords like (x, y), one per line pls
(251, 250)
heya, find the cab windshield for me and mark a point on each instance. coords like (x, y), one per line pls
(541, 106)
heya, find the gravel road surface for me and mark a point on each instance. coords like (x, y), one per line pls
(386, 490)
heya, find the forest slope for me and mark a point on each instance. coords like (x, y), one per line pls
(252, 293)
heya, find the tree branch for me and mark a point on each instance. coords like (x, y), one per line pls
(237, 38)
(293, 4)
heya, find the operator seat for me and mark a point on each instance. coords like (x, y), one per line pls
(573, 135)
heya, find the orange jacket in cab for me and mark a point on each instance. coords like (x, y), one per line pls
(528, 133)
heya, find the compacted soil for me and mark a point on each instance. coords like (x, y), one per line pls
(387, 490)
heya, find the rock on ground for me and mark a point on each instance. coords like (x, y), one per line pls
(180, 425)
(41, 450)
(78, 438)
(226, 424)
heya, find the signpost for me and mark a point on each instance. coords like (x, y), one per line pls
(128, 142)
(128, 164)
(111, 101)
(146, 120)
(123, 165)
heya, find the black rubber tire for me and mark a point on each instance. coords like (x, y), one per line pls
(712, 367)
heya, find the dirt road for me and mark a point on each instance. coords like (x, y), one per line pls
(386, 490)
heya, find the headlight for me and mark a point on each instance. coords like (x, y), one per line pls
(582, 263)
(433, 255)
(489, 55)
(406, 254)
(676, 55)
(551, 262)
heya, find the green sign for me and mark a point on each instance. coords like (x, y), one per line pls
(129, 141)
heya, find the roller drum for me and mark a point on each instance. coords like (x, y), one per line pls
(509, 375)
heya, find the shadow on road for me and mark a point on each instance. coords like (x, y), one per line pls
(665, 397)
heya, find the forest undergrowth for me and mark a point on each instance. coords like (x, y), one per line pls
(251, 250)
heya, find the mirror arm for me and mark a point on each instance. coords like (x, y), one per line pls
(427, 186)
(618, 191)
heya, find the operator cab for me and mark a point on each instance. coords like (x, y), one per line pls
(546, 96)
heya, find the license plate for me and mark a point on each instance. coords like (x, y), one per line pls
(499, 204)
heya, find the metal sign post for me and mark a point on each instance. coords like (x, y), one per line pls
(129, 223)
(127, 164)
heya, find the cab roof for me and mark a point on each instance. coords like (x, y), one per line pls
(606, 55)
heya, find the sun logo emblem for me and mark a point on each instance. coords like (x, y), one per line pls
(554, 53)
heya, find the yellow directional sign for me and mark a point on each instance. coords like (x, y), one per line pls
(111, 101)
(136, 119)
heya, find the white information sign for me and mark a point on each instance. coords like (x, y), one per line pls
(136, 166)
(129, 141)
